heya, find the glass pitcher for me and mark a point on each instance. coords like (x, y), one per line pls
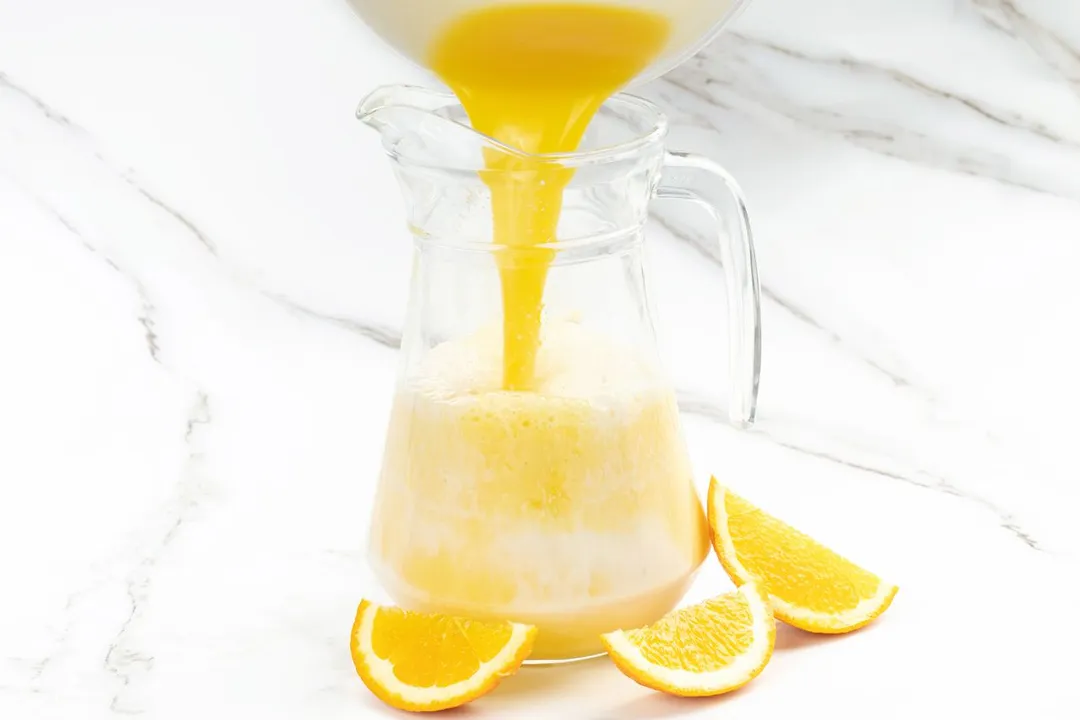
(568, 503)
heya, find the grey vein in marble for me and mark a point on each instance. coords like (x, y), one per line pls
(1048, 45)
(693, 404)
(725, 69)
(147, 311)
(1001, 117)
(383, 335)
(57, 117)
(123, 658)
(128, 176)
(202, 237)
(42, 665)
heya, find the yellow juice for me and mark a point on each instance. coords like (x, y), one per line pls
(570, 507)
(533, 76)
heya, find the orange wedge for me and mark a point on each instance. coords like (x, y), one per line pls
(706, 649)
(810, 586)
(419, 662)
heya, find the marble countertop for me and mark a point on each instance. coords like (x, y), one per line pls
(203, 273)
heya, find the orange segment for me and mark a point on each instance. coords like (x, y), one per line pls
(810, 586)
(421, 662)
(706, 649)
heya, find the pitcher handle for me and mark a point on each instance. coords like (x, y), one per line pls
(698, 179)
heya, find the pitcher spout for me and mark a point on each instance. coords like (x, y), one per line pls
(384, 103)
(421, 126)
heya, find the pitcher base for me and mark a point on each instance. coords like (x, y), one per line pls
(566, 633)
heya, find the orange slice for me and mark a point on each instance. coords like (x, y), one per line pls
(419, 662)
(810, 586)
(706, 649)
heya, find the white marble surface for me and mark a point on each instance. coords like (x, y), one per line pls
(203, 272)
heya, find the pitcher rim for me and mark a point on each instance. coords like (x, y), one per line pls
(658, 129)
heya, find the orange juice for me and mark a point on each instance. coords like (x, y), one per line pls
(569, 507)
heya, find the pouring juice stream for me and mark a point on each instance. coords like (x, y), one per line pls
(533, 76)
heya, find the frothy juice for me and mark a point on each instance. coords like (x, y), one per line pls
(570, 507)
(533, 76)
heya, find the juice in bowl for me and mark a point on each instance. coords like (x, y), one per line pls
(534, 467)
